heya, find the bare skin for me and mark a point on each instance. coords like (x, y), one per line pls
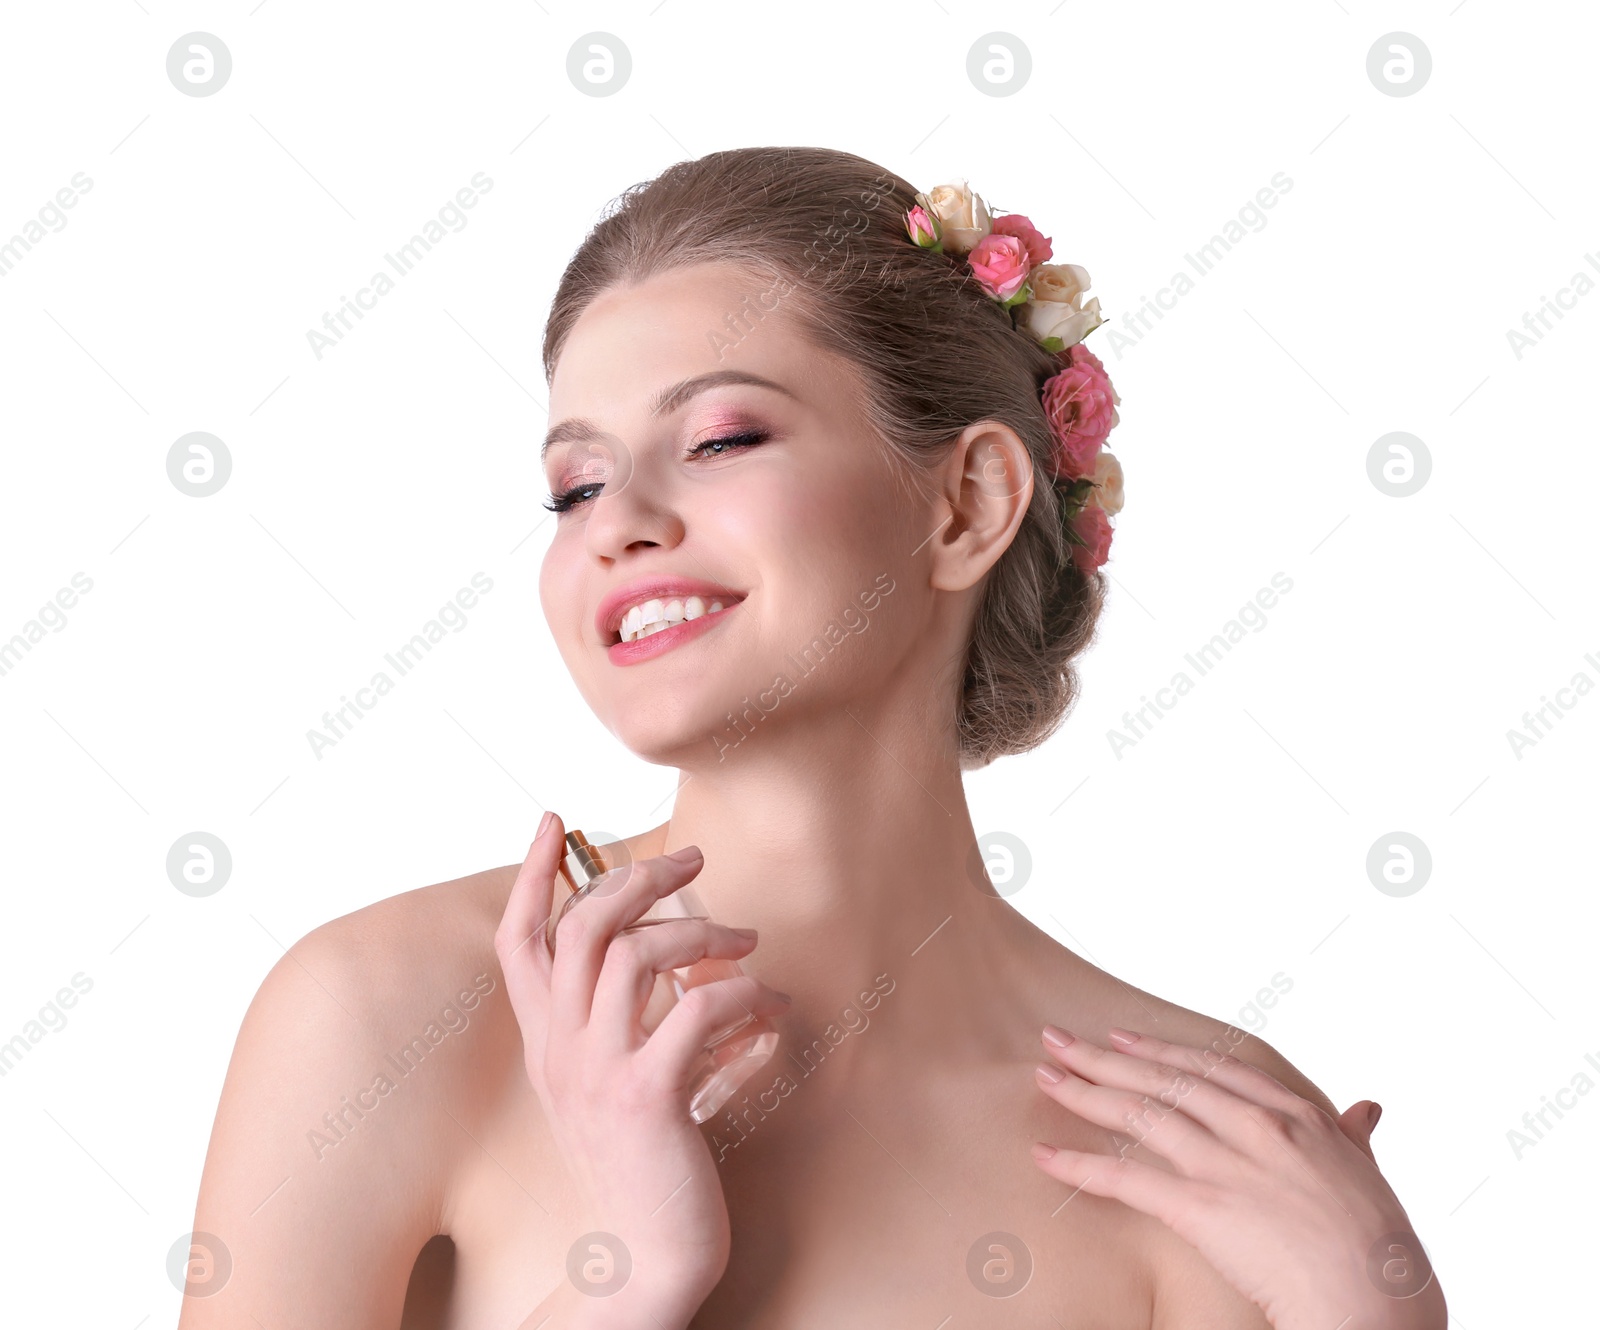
(833, 822)
(838, 1222)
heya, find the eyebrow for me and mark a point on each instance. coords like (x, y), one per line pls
(578, 428)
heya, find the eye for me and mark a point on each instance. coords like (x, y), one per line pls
(565, 502)
(560, 503)
(748, 439)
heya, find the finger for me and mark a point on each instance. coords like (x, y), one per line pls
(1156, 1120)
(1216, 1062)
(1255, 1105)
(528, 905)
(1153, 1191)
(1357, 1122)
(584, 932)
(519, 939)
(677, 1049)
(1266, 1102)
(1171, 1084)
(636, 958)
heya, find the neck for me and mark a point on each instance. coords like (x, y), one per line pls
(852, 851)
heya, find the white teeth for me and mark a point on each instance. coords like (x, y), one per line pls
(653, 616)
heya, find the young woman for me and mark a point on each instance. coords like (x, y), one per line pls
(848, 435)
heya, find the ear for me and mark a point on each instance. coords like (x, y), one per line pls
(985, 487)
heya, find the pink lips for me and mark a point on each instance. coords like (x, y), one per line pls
(608, 616)
(615, 604)
(641, 649)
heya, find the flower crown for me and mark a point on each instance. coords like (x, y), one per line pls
(1008, 257)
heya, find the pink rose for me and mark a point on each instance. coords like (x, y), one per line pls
(1015, 224)
(921, 227)
(1080, 404)
(1093, 527)
(1000, 263)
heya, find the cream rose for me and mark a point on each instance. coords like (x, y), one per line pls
(963, 218)
(1056, 307)
(1107, 493)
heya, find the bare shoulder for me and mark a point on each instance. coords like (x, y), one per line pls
(408, 949)
(464, 900)
(1113, 1001)
(331, 1153)
(412, 972)
(1189, 1290)
(418, 974)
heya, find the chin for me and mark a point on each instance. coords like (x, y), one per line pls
(694, 721)
(669, 741)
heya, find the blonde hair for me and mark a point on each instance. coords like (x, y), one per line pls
(935, 352)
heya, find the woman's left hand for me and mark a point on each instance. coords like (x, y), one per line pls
(1284, 1201)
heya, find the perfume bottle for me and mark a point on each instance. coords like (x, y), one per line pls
(733, 1053)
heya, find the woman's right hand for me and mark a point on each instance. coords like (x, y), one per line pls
(617, 1099)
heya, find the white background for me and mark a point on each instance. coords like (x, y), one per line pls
(368, 486)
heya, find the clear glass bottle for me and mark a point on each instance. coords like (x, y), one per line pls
(733, 1053)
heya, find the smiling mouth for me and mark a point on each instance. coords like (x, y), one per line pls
(659, 614)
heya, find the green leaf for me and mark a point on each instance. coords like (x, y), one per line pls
(1020, 298)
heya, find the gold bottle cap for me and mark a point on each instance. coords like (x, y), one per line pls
(590, 861)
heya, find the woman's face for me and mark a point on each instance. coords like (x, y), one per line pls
(797, 525)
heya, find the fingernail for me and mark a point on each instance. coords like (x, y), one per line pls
(1055, 1037)
(1122, 1036)
(1042, 1151)
(687, 855)
(544, 824)
(745, 932)
(784, 996)
(1373, 1114)
(1051, 1074)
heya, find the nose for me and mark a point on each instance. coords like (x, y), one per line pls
(630, 513)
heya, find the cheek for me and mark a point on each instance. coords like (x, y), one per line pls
(764, 520)
(835, 513)
(560, 580)
(816, 546)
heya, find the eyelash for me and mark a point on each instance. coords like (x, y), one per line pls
(560, 503)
